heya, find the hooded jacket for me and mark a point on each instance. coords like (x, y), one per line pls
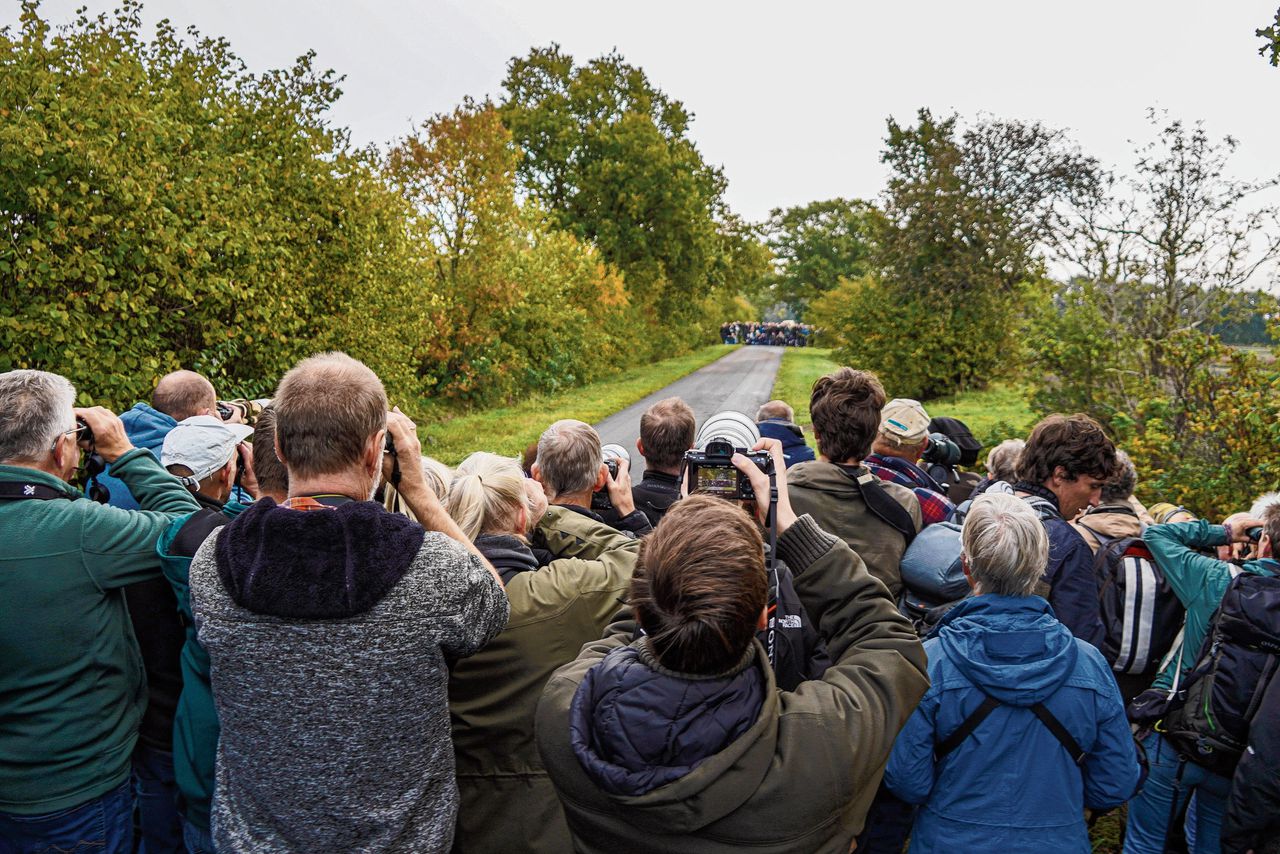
(1253, 810)
(146, 428)
(1010, 785)
(794, 448)
(644, 759)
(831, 497)
(1108, 522)
(1073, 586)
(507, 801)
(72, 688)
(329, 632)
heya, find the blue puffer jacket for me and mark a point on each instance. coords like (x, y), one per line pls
(146, 428)
(794, 449)
(635, 728)
(1010, 786)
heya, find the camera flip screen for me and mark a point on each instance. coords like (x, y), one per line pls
(718, 480)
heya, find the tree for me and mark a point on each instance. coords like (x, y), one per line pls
(608, 155)
(967, 213)
(1271, 41)
(816, 245)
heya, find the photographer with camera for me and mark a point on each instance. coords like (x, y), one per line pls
(330, 623)
(877, 519)
(667, 430)
(895, 457)
(72, 688)
(572, 469)
(680, 740)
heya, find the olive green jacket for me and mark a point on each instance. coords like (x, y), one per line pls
(802, 777)
(507, 801)
(72, 687)
(827, 494)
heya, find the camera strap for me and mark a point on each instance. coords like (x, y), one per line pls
(31, 491)
(771, 567)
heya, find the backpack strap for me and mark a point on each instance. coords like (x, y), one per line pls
(881, 504)
(1060, 732)
(966, 728)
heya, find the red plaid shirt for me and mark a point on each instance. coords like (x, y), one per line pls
(934, 506)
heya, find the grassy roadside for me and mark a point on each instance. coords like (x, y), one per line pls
(509, 429)
(1001, 410)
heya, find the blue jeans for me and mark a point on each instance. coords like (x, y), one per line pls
(1170, 784)
(103, 825)
(159, 822)
(198, 841)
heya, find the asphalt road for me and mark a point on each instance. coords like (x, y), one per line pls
(741, 381)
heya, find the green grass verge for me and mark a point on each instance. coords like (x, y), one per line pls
(509, 429)
(995, 413)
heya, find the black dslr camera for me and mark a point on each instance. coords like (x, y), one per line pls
(711, 470)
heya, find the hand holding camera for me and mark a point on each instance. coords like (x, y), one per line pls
(618, 482)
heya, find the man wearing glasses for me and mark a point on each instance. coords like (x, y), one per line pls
(72, 688)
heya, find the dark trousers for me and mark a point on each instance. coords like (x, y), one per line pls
(103, 825)
(159, 822)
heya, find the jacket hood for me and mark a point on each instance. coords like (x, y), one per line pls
(1010, 647)
(509, 554)
(662, 744)
(315, 564)
(826, 477)
(784, 431)
(147, 427)
(1114, 526)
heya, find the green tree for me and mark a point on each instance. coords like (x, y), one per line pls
(1271, 41)
(816, 245)
(608, 155)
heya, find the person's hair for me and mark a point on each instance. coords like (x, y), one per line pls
(183, 394)
(775, 409)
(1124, 479)
(1075, 442)
(267, 468)
(1262, 502)
(327, 408)
(1271, 523)
(699, 585)
(486, 495)
(35, 409)
(667, 430)
(1006, 545)
(438, 475)
(845, 409)
(528, 458)
(569, 457)
(1002, 460)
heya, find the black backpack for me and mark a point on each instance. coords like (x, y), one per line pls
(1208, 719)
(1140, 612)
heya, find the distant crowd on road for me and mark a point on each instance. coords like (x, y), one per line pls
(275, 626)
(785, 333)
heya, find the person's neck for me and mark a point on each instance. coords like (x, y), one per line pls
(849, 462)
(46, 465)
(578, 499)
(354, 484)
(897, 455)
(215, 497)
(671, 471)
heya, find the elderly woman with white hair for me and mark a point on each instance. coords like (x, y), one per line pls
(1022, 728)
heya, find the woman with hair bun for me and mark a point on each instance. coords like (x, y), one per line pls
(507, 800)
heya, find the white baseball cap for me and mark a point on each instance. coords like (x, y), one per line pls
(203, 444)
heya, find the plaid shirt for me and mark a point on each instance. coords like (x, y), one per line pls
(934, 506)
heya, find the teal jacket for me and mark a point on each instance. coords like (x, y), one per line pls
(1198, 580)
(195, 722)
(72, 687)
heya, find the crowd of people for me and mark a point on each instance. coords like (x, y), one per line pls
(785, 333)
(280, 628)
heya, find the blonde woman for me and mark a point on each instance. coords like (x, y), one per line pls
(507, 800)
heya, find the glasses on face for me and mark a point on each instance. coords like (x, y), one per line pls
(78, 431)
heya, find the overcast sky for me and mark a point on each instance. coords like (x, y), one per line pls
(790, 98)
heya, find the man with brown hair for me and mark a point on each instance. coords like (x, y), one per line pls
(667, 430)
(330, 623)
(875, 518)
(1061, 471)
(679, 740)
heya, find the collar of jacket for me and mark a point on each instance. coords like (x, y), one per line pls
(661, 480)
(909, 470)
(1039, 491)
(509, 554)
(590, 514)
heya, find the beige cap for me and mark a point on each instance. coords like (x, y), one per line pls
(904, 420)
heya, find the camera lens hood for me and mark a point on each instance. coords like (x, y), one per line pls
(733, 427)
(615, 452)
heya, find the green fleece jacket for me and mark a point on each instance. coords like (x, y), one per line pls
(508, 803)
(72, 687)
(802, 777)
(1198, 580)
(831, 497)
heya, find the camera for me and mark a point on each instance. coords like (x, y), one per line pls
(711, 470)
(612, 454)
(84, 433)
(942, 451)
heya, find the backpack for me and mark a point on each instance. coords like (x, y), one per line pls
(1140, 612)
(1208, 720)
(932, 575)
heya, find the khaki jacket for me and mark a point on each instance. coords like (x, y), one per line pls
(803, 776)
(827, 494)
(507, 801)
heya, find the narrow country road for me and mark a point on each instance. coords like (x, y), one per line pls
(741, 380)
